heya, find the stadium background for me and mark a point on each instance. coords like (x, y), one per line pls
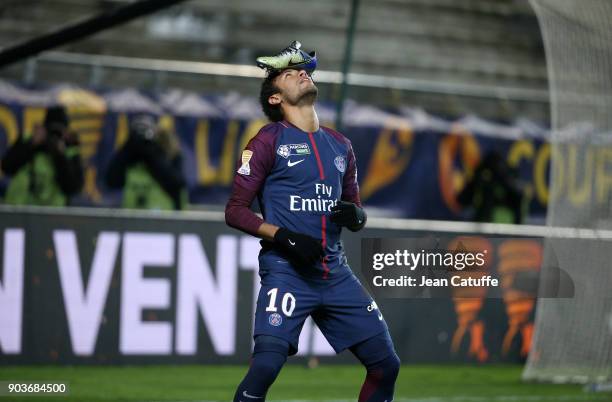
(433, 86)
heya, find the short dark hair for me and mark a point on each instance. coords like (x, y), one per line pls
(268, 88)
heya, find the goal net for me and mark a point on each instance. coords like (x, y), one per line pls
(573, 336)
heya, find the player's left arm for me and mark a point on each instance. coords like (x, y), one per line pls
(348, 212)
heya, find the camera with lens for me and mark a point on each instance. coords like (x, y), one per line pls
(143, 128)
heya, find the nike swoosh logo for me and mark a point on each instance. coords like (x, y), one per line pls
(251, 396)
(291, 242)
(289, 163)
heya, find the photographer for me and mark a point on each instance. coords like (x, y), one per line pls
(494, 192)
(148, 168)
(45, 165)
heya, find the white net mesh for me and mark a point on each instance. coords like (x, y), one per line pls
(573, 336)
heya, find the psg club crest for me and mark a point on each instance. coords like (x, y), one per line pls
(340, 163)
(275, 319)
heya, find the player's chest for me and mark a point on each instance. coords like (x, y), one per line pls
(310, 158)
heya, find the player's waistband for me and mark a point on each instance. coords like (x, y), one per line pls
(271, 258)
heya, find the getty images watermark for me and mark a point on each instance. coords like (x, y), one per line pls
(456, 266)
(449, 260)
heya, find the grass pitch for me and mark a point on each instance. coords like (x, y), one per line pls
(416, 383)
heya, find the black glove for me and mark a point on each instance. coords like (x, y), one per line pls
(349, 215)
(303, 250)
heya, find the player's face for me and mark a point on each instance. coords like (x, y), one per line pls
(296, 87)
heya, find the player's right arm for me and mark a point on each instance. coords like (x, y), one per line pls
(255, 164)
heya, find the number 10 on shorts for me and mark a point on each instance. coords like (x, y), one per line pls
(287, 303)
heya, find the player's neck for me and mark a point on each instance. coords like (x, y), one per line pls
(303, 117)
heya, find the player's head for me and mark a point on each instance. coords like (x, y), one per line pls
(291, 87)
(289, 80)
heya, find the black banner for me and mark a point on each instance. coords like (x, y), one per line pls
(117, 287)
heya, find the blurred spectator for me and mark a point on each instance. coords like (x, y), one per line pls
(149, 168)
(494, 192)
(45, 165)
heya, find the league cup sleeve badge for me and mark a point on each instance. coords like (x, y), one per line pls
(245, 169)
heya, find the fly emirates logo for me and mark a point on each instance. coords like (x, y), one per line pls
(319, 204)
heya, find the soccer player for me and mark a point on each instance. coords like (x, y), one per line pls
(305, 178)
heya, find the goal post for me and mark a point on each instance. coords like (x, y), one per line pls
(573, 336)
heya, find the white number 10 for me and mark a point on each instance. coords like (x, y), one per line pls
(287, 304)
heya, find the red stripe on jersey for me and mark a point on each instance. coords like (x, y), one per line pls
(323, 221)
(316, 151)
(323, 231)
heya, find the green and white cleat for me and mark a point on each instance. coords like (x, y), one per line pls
(289, 57)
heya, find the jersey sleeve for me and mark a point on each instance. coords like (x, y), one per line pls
(350, 187)
(254, 165)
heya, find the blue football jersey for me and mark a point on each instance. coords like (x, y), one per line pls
(297, 177)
